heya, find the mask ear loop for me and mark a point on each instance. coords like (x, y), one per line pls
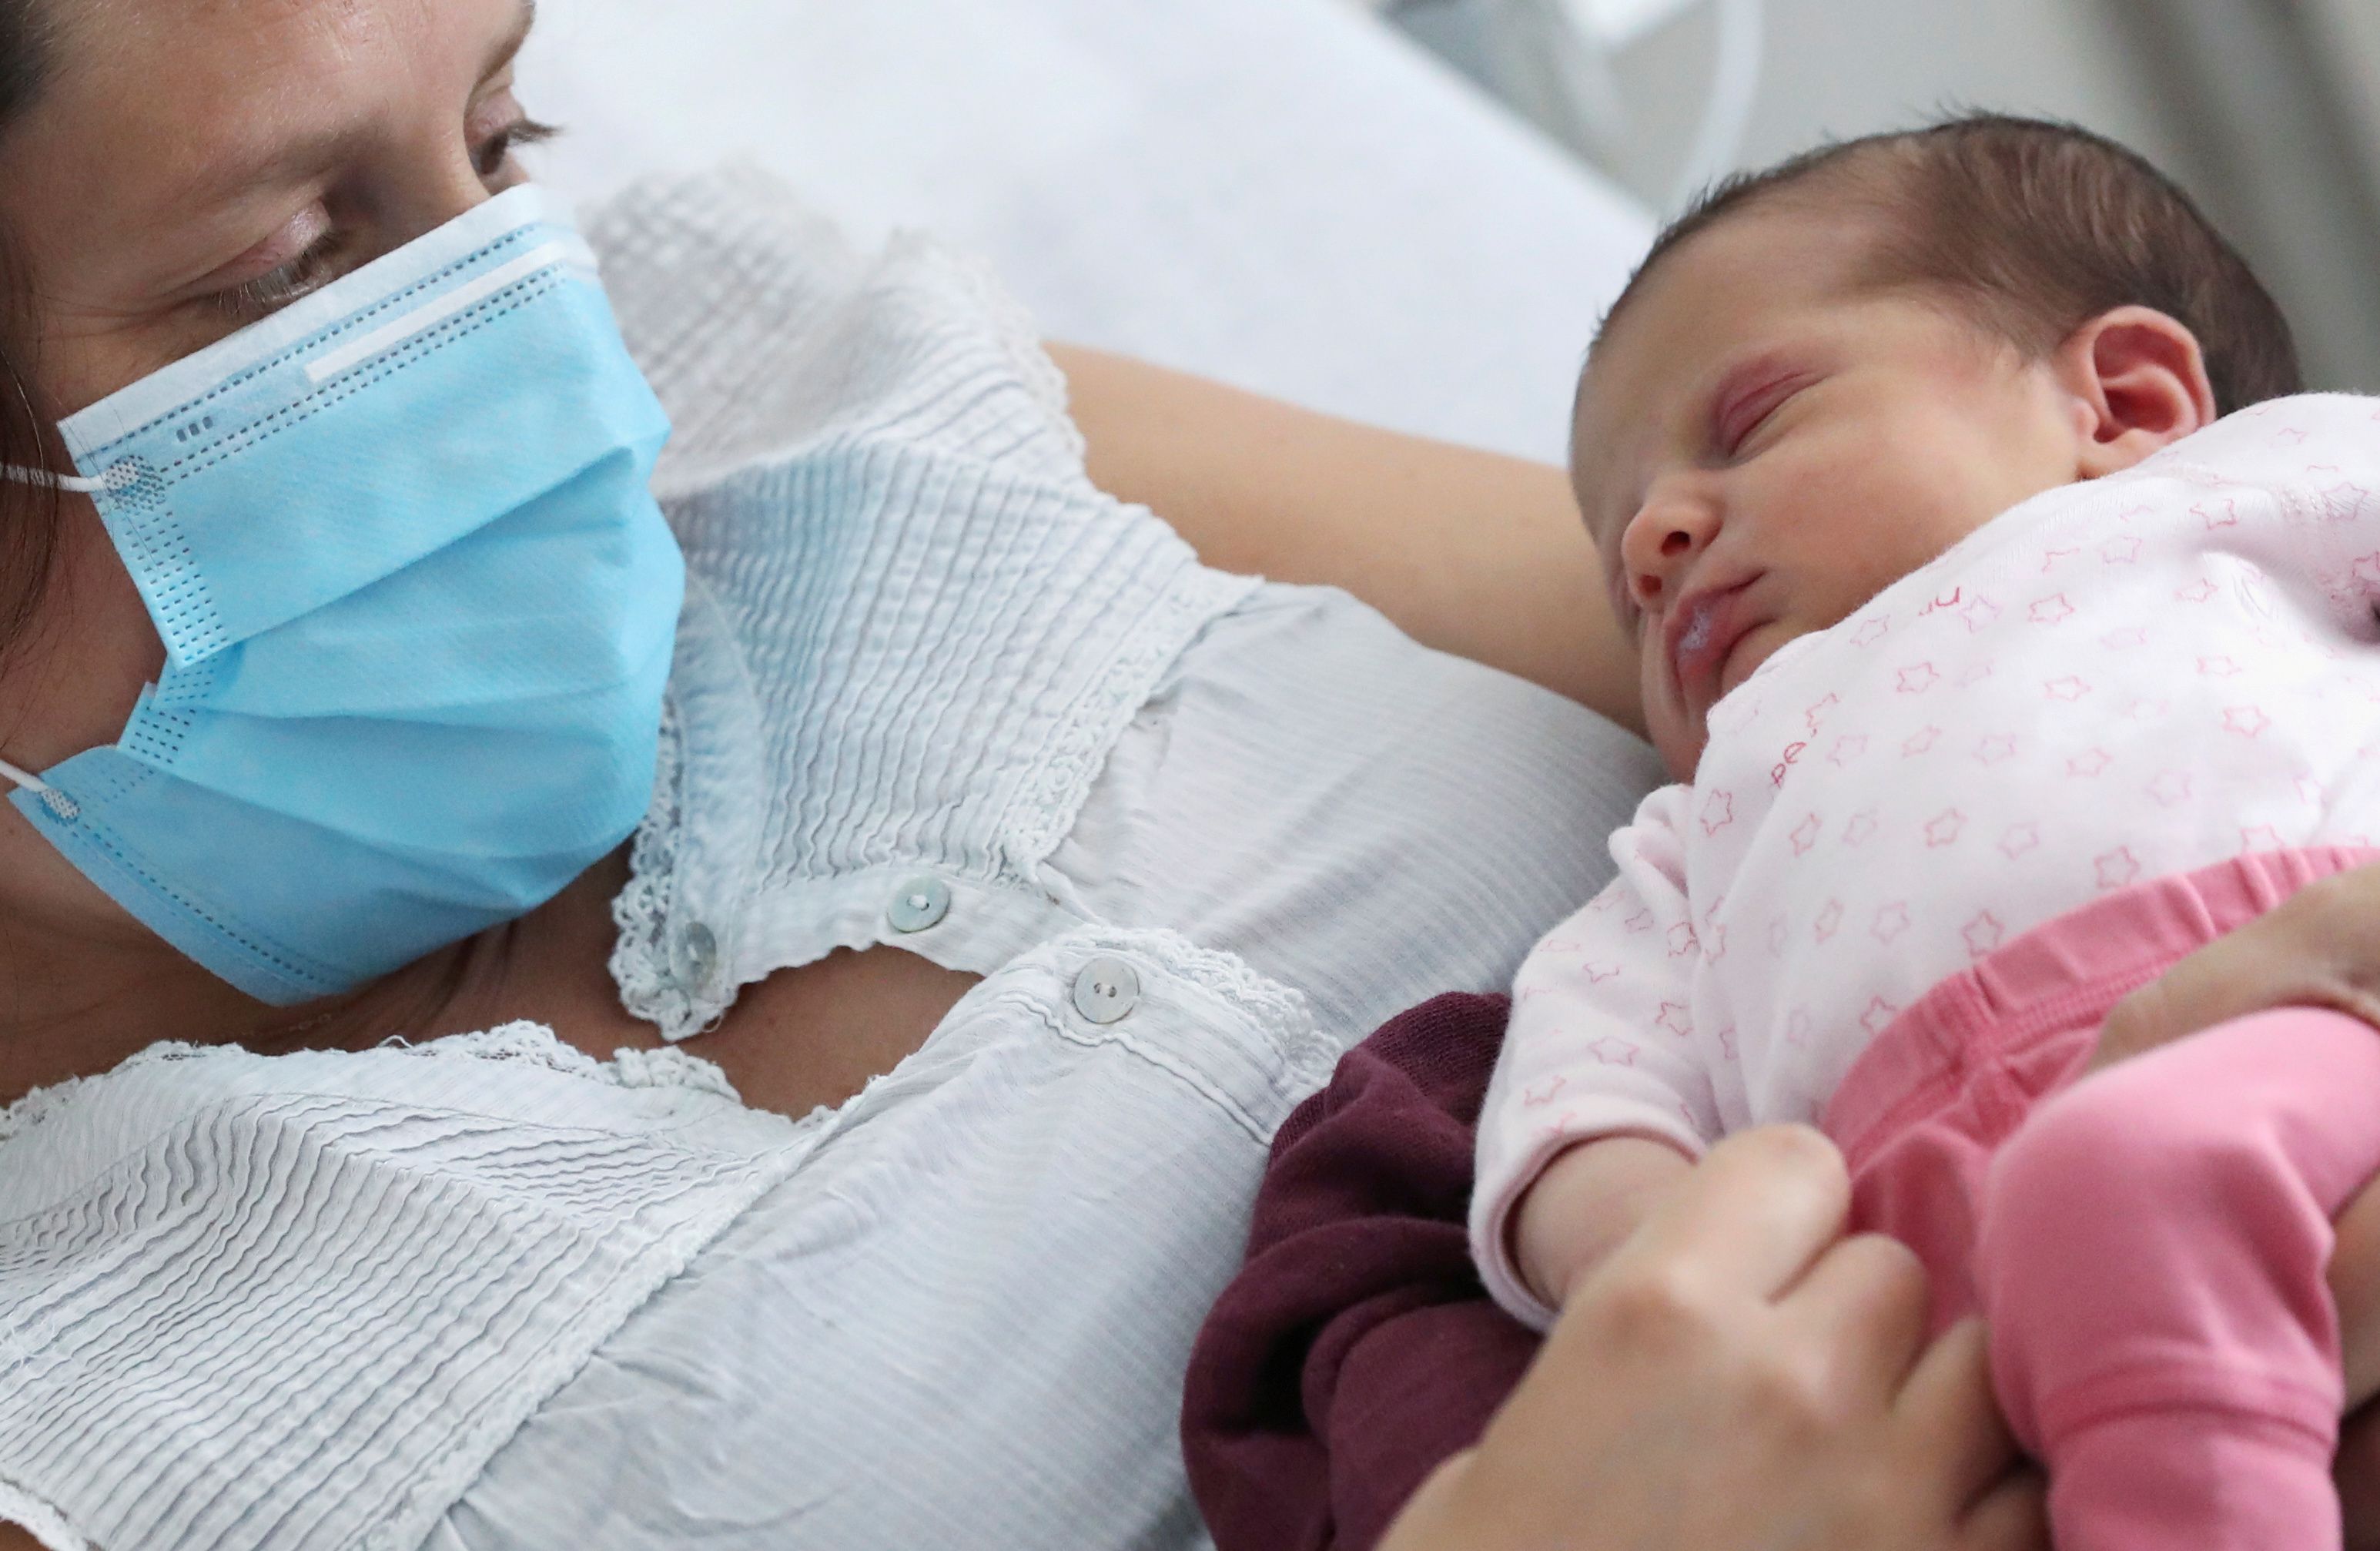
(53, 799)
(73, 482)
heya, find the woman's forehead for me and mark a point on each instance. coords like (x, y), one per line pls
(235, 75)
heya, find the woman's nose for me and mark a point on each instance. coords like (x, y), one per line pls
(1661, 540)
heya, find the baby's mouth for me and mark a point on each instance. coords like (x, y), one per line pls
(1707, 627)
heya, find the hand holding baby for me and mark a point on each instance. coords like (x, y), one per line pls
(1738, 1311)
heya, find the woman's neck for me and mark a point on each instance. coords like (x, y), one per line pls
(76, 1007)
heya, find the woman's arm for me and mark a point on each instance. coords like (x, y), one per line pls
(1737, 1377)
(1467, 551)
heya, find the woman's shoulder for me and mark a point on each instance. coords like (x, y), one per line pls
(769, 336)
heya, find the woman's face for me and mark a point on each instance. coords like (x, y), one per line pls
(191, 165)
(187, 168)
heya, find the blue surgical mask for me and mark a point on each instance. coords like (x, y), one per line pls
(417, 605)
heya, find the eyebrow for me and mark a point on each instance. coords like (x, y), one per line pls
(323, 146)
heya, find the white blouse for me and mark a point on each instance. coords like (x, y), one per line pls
(1199, 833)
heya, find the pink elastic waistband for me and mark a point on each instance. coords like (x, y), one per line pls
(2037, 988)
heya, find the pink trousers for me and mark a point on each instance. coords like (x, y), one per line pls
(2149, 1246)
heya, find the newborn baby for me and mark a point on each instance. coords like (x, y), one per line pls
(1998, 673)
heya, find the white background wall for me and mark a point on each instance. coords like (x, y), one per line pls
(2232, 97)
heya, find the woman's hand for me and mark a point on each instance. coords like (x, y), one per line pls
(2320, 947)
(1738, 1377)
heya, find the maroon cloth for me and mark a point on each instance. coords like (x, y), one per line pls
(1357, 1348)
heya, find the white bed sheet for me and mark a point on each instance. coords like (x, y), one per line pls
(1283, 193)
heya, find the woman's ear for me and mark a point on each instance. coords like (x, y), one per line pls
(2139, 383)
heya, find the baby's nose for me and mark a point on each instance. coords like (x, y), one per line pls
(1677, 540)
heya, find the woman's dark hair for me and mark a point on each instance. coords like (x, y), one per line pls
(28, 516)
(2033, 227)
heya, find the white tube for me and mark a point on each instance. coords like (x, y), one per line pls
(1735, 93)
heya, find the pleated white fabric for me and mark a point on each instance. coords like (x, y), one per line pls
(297, 1302)
(932, 690)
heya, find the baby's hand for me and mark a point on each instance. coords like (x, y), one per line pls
(1588, 1201)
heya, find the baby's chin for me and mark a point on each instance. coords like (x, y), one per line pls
(1681, 741)
(1681, 747)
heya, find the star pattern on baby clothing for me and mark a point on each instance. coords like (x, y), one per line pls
(2217, 666)
(1859, 826)
(2170, 788)
(2217, 514)
(2248, 721)
(2090, 762)
(2020, 838)
(1611, 1052)
(1943, 828)
(2069, 689)
(2261, 837)
(1982, 934)
(1849, 747)
(2198, 593)
(1920, 742)
(1996, 748)
(1719, 811)
(2125, 551)
(2125, 639)
(1727, 1044)
(1536, 1095)
(1871, 631)
(1806, 834)
(1597, 973)
(1890, 922)
(1714, 940)
(1675, 1017)
(2051, 610)
(1829, 921)
(1978, 612)
(1682, 941)
(2116, 868)
(1813, 715)
(1973, 675)
(1877, 1016)
(2343, 502)
(1641, 921)
(1918, 677)
(2049, 558)
(2310, 791)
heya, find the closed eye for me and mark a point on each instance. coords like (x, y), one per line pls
(1746, 404)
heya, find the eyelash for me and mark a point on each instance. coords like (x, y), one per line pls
(315, 267)
(1734, 447)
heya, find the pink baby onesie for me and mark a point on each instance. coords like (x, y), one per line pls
(2112, 685)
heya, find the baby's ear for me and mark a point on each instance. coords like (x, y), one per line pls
(2139, 383)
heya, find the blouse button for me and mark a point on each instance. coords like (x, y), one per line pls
(698, 956)
(1107, 990)
(921, 903)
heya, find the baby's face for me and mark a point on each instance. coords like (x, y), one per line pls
(1762, 446)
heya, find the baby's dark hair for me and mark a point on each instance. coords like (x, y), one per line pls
(2032, 227)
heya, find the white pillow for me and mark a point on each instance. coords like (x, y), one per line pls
(1283, 193)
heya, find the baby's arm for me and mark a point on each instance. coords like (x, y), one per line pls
(1588, 1201)
(1602, 1095)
